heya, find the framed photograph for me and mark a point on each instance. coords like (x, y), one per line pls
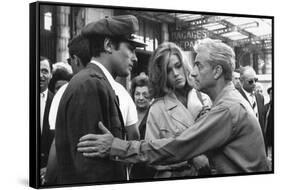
(121, 94)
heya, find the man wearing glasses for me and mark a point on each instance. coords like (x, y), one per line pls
(248, 80)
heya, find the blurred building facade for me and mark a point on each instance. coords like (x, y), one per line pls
(58, 24)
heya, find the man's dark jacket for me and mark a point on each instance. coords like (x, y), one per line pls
(270, 124)
(260, 104)
(47, 135)
(88, 99)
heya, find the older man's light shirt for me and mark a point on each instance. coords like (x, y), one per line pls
(43, 100)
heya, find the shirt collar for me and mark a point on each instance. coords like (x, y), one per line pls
(249, 95)
(45, 93)
(106, 73)
(171, 100)
(227, 88)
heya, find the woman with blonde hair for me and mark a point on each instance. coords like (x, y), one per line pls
(175, 107)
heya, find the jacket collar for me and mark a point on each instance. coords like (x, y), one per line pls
(229, 87)
(97, 71)
(178, 111)
(170, 101)
(105, 72)
(242, 92)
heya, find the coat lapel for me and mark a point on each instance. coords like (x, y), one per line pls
(177, 111)
(96, 70)
(259, 102)
(46, 126)
(244, 95)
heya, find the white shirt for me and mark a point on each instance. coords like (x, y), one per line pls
(126, 104)
(56, 100)
(43, 100)
(194, 104)
(55, 105)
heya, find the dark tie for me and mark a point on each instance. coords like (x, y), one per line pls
(266, 117)
(117, 99)
(254, 105)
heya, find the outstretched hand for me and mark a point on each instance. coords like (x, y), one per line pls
(94, 145)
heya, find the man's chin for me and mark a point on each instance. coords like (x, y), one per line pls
(197, 87)
(125, 74)
(142, 108)
(42, 88)
(142, 105)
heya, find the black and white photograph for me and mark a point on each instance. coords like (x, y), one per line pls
(121, 94)
(140, 94)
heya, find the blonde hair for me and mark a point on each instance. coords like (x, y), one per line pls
(158, 68)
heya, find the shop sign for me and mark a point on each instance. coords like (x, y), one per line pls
(187, 38)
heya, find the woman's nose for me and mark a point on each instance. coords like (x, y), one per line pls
(176, 72)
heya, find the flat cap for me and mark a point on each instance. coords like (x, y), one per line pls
(122, 26)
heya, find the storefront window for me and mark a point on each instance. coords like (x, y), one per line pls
(149, 43)
(48, 21)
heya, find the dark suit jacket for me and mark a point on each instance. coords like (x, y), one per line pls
(270, 124)
(88, 99)
(47, 135)
(260, 105)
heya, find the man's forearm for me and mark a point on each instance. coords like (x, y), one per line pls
(140, 151)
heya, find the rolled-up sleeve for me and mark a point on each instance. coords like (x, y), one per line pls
(209, 132)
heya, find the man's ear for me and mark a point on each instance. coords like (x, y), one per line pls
(218, 71)
(77, 60)
(108, 46)
(51, 75)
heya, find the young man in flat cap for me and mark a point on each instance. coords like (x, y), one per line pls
(90, 98)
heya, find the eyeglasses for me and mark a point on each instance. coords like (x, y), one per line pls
(252, 81)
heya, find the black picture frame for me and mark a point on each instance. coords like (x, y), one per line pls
(36, 50)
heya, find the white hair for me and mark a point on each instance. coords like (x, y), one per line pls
(62, 65)
(219, 53)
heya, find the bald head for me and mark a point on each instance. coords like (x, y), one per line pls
(248, 78)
